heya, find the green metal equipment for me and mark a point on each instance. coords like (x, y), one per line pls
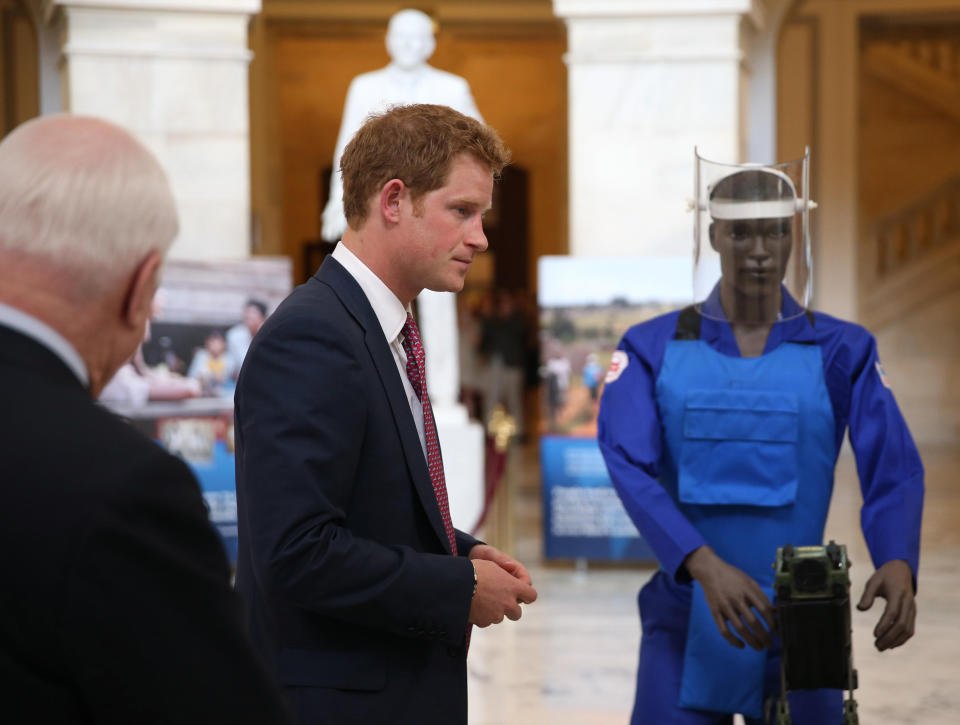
(812, 597)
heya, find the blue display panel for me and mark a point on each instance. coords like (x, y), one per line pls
(178, 388)
(205, 443)
(586, 305)
(582, 514)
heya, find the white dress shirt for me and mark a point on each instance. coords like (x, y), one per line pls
(392, 315)
(48, 337)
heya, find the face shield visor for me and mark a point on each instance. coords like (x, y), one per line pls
(752, 260)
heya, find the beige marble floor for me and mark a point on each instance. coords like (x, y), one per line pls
(571, 659)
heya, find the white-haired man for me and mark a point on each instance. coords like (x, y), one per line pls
(116, 606)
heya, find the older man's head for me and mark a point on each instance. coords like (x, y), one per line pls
(86, 217)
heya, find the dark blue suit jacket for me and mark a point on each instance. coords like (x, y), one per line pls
(116, 605)
(351, 591)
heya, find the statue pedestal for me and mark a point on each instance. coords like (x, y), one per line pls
(461, 440)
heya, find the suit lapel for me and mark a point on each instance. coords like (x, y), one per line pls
(333, 274)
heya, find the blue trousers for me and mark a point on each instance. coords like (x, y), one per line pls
(664, 611)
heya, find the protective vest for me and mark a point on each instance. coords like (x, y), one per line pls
(748, 458)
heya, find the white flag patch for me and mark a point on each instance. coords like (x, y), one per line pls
(618, 363)
(883, 375)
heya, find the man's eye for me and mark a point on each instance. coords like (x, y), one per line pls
(739, 231)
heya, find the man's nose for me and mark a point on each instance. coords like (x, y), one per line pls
(477, 239)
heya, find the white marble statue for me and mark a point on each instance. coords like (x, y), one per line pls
(409, 79)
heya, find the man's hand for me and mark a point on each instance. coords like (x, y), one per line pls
(732, 596)
(503, 584)
(894, 582)
(489, 553)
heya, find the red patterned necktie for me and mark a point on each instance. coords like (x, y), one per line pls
(416, 372)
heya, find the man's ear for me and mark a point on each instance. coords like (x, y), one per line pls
(711, 234)
(391, 198)
(141, 288)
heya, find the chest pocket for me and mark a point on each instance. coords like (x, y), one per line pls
(739, 447)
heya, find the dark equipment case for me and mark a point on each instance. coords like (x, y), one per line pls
(812, 597)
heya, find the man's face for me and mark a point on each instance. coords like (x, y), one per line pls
(216, 345)
(252, 318)
(753, 253)
(443, 229)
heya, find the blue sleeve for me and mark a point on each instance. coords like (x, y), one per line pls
(629, 434)
(888, 463)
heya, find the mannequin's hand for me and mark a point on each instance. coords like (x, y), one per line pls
(894, 582)
(733, 596)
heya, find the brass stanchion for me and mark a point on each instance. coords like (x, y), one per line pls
(498, 511)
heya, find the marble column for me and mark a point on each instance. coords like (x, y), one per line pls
(174, 72)
(648, 81)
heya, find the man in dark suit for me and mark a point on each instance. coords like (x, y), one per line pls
(359, 589)
(115, 603)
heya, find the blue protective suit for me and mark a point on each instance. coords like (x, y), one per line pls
(706, 447)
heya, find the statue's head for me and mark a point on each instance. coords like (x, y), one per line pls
(410, 40)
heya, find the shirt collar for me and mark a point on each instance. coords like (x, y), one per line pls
(793, 324)
(390, 312)
(48, 337)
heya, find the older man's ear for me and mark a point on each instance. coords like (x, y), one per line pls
(141, 288)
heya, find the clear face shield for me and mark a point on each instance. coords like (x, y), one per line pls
(752, 260)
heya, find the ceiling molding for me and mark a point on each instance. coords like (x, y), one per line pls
(443, 11)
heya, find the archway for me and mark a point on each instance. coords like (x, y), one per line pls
(19, 65)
